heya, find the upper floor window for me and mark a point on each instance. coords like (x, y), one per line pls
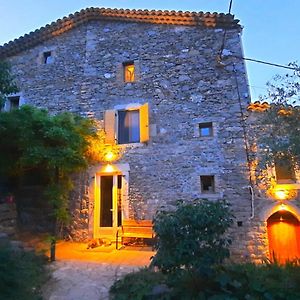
(284, 169)
(127, 125)
(205, 129)
(47, 57)
(129, 71)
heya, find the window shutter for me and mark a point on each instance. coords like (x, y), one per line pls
(144, 123)
(109, 126)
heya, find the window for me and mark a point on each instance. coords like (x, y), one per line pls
(284, 169)
(47, 57)
(127, 124)
(13, 103)
(205, 129)
(207, 183)
(129, 71)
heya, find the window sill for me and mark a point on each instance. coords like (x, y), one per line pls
(131, 145)
(290, 186)
(212, 195)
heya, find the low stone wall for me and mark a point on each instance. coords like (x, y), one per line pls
(8, 219)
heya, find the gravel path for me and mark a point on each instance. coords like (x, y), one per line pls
(77, 280)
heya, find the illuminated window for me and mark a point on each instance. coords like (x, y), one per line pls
(128, 126)
(205, 129)
(47, 57)
(284, 169)
(129, 71)
(207, 183)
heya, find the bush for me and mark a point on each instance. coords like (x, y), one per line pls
(137, 285)
(192, 237)
(21, 274)
(266, 281)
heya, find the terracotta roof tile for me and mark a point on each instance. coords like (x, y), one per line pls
(210, 20)
(258, 106)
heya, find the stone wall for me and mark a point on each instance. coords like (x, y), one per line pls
(8, 219)
(178, 75)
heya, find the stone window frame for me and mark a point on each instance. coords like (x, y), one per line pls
(213, 184)
(7, 105)
(217, 193)
(295, 182)
(196, 126)
(41, 56)
(120, 72)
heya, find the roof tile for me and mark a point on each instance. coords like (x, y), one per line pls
(210, 20)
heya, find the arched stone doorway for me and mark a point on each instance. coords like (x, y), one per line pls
(284, 236)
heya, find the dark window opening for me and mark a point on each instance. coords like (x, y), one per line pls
(207, 184)
(14, 102)
(128, 126)
(206, 129)
(284, 170)
(47, 57)
(129, 70)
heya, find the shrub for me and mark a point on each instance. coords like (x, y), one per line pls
(21, 274)
(193, 236)
(137, 285)
(266, 281)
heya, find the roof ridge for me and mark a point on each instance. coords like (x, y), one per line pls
(185, 18)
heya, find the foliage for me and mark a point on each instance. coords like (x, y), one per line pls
(7, 85)
(281, 138)
(137, 285)
(193, 236)
(266, 281)
(225, 282)
(21, 274)
(57, 145)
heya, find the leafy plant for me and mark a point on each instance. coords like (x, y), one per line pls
(193, 236)
(58, 146)
(280, 130)
(21, 274)
(137, 285)
(7, 85)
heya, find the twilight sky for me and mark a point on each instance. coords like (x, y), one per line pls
(271, 27)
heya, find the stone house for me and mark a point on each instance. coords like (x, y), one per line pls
(171, 91)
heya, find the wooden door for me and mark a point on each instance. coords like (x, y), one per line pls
(283, 235)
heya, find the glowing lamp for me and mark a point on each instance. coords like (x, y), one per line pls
(281, 194)
(109, 156)
(108, 169)
(282, 207)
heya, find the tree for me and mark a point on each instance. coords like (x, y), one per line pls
(56, 145)
(281, 139)
(7, 84)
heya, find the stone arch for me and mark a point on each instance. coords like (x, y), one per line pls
(272, 208)
(283, 229)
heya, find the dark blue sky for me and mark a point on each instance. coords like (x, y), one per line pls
(271, 27)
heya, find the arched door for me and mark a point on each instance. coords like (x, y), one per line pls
(284, 236)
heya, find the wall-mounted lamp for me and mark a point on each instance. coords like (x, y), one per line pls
(281, 194)
(109, 156)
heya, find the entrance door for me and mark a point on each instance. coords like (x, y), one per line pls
(108, 205)
(284, 236)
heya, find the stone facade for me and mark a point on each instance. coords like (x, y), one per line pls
(179, 74)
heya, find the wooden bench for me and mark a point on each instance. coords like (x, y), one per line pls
(134, 229)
